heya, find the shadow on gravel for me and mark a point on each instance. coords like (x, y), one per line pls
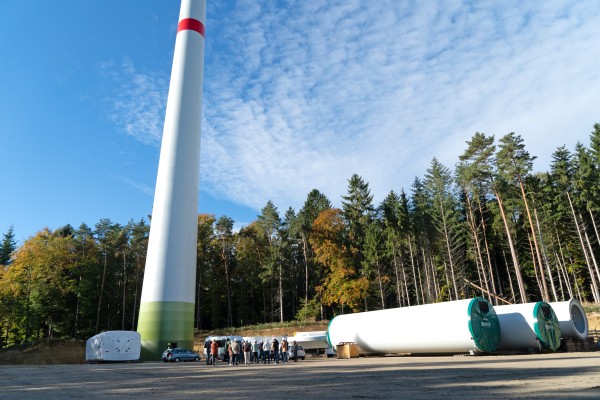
(567, 377)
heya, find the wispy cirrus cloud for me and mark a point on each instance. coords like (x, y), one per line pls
(305, 94)
(300, 95)
(137, 104)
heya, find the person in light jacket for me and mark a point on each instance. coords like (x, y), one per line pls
(255, 351)
(266, 352)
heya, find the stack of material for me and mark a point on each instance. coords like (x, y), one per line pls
(577, 345)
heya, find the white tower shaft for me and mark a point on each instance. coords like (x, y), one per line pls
(167, 304)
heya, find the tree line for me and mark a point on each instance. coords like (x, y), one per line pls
(490, 227)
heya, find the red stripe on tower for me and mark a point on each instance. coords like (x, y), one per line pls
(192, 25)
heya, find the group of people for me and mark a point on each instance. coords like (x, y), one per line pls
(244, 352)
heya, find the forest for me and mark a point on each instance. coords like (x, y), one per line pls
(490, 226)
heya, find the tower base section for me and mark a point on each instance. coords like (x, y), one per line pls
(164, 322)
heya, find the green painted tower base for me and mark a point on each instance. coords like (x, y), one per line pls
(164, 322)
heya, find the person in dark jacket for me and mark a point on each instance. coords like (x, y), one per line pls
(207, 350)
(295, 351)
(275, 350)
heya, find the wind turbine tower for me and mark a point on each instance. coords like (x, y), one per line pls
(168, 301)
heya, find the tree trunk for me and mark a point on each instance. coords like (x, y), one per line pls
(480, 273)
(564, 263)
(536, 270)
(135, 297)
(101, 291)
(124, 291)
(591, 250)
(280, 291)
(380, 283)
(412, 262)
(594, 225)
(405, 280)
(544, 254)
(448, 281)
(512, 250)
(510, 282)
(428, 278)
(76, 310)
(229, 310)
(563, 275)
(448, 250)
(398, 290)
(421, 285)
(487, 249)
(477, 245)
(585, 253)
(305, 253)
(545, 294)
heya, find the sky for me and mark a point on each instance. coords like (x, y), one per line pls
(298, 95)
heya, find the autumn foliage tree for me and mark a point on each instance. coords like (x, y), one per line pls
(342, 285)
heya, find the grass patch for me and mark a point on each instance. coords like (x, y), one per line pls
(591, 307)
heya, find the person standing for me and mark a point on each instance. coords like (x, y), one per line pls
(284, 351)
(266, 352)
(228, 352)
(275, 350)
(247, 347)
(295, 351)
(207, 344)
(255, 351)
(261, 351)
(235, 352)
(214, 352)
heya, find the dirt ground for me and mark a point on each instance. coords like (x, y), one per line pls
(594, 321)
(536, 376)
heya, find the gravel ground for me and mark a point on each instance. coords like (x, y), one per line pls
(538, 376)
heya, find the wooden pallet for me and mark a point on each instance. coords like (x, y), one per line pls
(588, 344)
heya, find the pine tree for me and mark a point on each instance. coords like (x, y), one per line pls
(8, 246)
(393, 218)
(480, 157)
(357, 207)
(514, 163)
(315, 204)
(373, 259)
(270, 223)
(358, 211)
(224, 238)
(563, 171)
(444, 212)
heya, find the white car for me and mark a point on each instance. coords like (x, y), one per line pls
(301, 352)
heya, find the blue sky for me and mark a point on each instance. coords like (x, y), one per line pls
(297, 95)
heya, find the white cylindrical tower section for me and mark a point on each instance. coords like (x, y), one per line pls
(460, 326)
(528, 326)
(572, 319)
(173, 231)
(167, 303)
